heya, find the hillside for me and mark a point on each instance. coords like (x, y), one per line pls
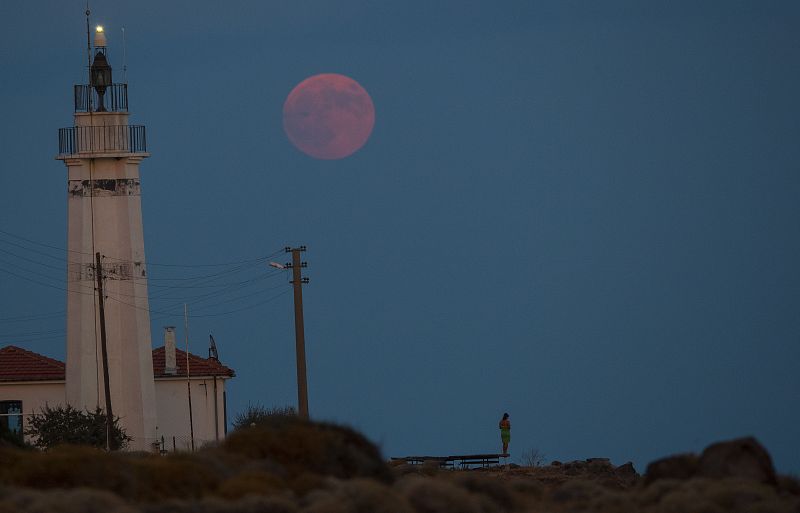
(290, 466)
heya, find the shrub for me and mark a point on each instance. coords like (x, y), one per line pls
(64, 501)
(789, 484)
(176, 475)
(436, 495)
(66, 425)
(131, 476)
(300, 446)
(252, 482)
(358, 496)
(495, 490)
(532, 458)
(688, 495)
(251, 504)
(64, 467)
(256, 414)
(578, 491)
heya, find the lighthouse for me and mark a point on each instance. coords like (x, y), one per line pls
(102, 153)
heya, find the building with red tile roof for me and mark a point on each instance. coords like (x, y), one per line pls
(29, 381)
(198, 366)
(17, 364)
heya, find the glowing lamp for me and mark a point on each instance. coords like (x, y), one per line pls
(99, 37)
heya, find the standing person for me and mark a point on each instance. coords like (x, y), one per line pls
(505, 432)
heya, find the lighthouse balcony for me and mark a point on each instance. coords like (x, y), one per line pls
(113, 99)
(109, 140)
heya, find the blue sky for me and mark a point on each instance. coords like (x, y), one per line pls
(582, 213)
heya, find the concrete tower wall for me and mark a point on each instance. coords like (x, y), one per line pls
(105, 216)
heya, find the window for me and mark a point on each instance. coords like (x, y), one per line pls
(11, 418)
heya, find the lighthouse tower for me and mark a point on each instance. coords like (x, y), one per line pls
(102, 153)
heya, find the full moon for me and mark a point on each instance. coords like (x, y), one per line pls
(328, 116)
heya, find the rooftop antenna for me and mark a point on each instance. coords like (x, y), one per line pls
(124, 59)
(212, 348)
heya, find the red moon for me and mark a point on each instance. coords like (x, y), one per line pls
(328, 116)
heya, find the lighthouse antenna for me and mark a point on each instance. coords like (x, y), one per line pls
(88, 47)
(124, 59)
(91, 197)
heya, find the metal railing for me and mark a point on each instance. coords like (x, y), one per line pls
(76, 140)
(177, 443)
(115, 98)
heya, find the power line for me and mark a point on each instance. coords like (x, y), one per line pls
(222, 290)
(33, 333)
(175, 306)
(224, 286)
(156, 264)
(40, 243)
(45, 284)
(235, 299)
(26, 340)
(172, 314)
(24, 318)
(59, 259)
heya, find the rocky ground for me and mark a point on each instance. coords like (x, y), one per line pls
(295, 467)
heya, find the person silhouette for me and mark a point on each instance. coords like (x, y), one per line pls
(505, 432)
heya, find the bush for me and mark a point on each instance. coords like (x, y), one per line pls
(249, 504)
(357, 496)
(256, 415)
(495, 490)
(300, 446)
(174, 476)
(138, 477)
(64, 425)
(532, 458)
(437, 495)
(251, 482)
(64, 501)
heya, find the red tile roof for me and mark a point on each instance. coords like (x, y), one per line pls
(197, 366)
(17, 364)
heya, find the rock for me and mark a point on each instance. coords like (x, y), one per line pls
(578, 490)
(744, 458)
(573, 468)
(626, 474)
(626, 470)
(681, 466)
(555, 463)
(596, 465)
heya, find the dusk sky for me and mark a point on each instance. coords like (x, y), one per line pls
(583, 213)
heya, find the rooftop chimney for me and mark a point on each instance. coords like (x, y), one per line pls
(170, 366)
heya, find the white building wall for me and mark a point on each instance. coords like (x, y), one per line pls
(34, 396)
(171, 404)
(208, 411)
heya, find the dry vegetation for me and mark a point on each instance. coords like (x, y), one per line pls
(290, 466)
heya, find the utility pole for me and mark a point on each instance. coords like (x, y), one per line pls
(299, 334)
(104, 350)
(188, 375)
